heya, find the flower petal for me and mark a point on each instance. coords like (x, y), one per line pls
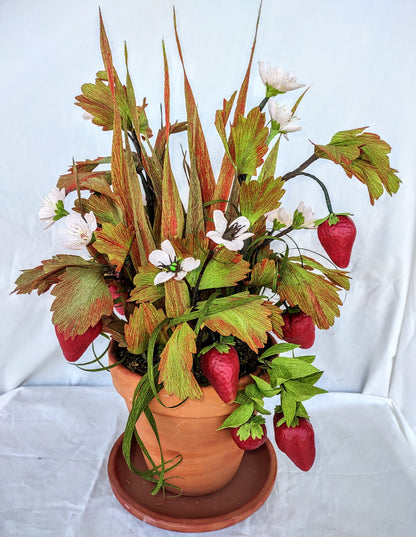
(162, 277)
(190, 263)
(180, 275)
(168, 248)
(234, 245)
(220, 221)
(243, 223)
(159, 258)
(215, 236)
(245, 236)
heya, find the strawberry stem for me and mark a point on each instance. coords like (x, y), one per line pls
(324, 189)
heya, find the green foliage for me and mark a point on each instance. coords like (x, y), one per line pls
(365, 156)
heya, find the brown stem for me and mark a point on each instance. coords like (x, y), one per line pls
(300, 169)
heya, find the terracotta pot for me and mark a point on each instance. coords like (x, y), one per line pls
(210, 457)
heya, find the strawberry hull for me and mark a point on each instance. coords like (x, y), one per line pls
(250, 443)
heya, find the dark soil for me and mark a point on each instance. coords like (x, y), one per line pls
(138, 362)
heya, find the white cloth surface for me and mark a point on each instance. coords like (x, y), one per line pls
(55, 442)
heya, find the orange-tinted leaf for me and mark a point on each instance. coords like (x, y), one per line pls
(135, 332)
(249, 321)
(196, 138)
(176, 364)
(313, 293)
(115, 242)
(249, 137)
(258, 198)
(264, 274)
(227, 172)
(225, 269)
(145, 290)
(173, 219)
(82, 298)
(177, 299)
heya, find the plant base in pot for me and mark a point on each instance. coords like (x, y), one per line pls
(215, 476)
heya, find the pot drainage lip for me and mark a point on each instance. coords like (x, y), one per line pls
(245, 493)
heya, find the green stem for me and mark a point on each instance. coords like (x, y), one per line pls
(263, 103)
(300, 169)
(324, 189)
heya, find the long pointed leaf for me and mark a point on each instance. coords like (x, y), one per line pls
(196, 138)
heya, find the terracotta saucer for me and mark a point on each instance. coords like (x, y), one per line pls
(248, 490)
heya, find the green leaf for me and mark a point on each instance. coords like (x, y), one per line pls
(240, 415)
(247, 321)
(365, 156)
(82, 298)
(264, 274)
(249, 137)
(115, 242)
(225, 269)
(145, 290)
(336, 276)
(278, 348)
(264, 387)
(176, 364)
(258, 198)
(253, 428)
(313, 293)
(301, 391)
(269, 166)
(292, 368)
(288, 406)
(135, 332)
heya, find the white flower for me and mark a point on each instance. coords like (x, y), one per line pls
(277, 80)
(285, 218)
(231, 235)
(51, 209)
(283, 119)
(171, 266)
(79, 230)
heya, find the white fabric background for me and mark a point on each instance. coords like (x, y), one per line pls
(358, 58)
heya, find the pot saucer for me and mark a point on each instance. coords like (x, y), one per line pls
(247, 491)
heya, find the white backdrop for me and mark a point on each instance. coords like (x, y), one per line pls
(358, 58)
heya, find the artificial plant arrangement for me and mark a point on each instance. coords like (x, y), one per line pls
(203, 288)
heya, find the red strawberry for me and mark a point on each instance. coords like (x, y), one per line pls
(338, 239)
(297, 442)
(299, 328)
(251, 443)
(222, 371)
(75, 348)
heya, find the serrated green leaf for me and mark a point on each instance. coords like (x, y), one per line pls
(247, 321)
(176, 364)
(145, 290)
(82, 297)
(254, 393)
(313, 293)
(365, 156)
(263, 274)
(302, 391)
(249, 137)
(225, 269)
(278, 348)
(239, 416)
(292, 368)
(115, 242)
(258, 198)
(288, 406)
(264, 388)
